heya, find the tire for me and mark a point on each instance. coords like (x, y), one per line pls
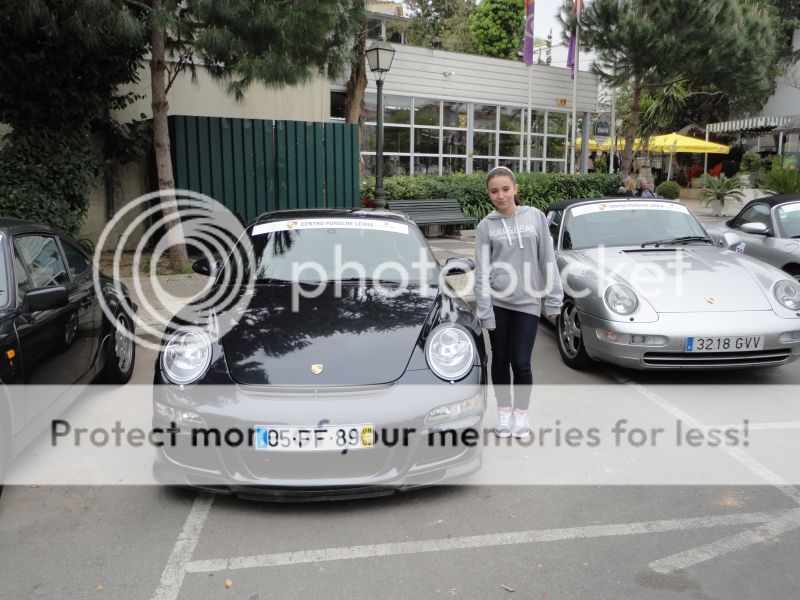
(794, 271)
(570, 337)
(121, 352)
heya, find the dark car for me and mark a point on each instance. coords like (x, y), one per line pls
(350, 370)
(52, 327)
(767, 229)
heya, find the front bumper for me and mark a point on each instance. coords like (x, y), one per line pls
(407, 453)
(677, 327)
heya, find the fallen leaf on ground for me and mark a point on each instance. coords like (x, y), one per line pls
(229, 583)
(506, 588)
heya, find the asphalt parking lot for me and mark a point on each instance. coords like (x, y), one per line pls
(582, 540)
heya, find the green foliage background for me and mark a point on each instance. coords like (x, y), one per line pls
(535, 189)
(669, 190)
(496, 28)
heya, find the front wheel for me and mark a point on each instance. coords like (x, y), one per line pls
(570, 337)
(121, 353)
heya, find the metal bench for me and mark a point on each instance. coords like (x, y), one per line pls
(443, 214)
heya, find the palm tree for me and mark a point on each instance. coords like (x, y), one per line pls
(717, 189)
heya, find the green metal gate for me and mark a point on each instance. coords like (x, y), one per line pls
(254, 165)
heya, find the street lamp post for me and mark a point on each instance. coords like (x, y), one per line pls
(380, 56)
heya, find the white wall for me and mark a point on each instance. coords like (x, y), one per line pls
(421, 72)
(786, 100)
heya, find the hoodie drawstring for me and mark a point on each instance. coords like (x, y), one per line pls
(508, 234)
(519, 233)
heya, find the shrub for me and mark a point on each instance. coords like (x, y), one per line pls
(751, 162)
(47, 179)
(669, 190)
(783, 181)
(535, 189)
(720, 188)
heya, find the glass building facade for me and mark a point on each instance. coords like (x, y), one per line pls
(437, 136)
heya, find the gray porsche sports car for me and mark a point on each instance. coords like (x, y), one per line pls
(767, 229)
(647, 288)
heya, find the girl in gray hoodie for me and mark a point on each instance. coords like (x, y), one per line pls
(516, 280)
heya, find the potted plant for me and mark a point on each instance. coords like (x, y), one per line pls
(718, 189)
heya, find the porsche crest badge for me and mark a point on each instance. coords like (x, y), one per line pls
(317, 369)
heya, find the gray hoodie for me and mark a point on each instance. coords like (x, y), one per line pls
(515, 265)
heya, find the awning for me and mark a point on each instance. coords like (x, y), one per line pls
(790, 126)
(750, 124)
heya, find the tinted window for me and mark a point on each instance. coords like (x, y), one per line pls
(758, 213)
(76, 260)
(21, 277)
(4, 284)
(41, 256)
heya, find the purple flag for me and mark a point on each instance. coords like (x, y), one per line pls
(527, 47)
(577, 8)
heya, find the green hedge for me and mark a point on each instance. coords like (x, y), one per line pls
(669, 190)
(535, 189)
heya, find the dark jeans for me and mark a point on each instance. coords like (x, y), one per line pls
(512, 348)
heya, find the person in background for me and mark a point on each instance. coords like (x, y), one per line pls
(644, 189)
(590, 162)
(627, 187)
(516, 280)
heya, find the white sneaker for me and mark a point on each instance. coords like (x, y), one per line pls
(503, 429)
(520, 428)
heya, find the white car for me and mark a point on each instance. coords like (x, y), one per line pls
(767, 229)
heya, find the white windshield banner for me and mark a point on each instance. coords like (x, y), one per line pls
(617, 206)
(368, 224)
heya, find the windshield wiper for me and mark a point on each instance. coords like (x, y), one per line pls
(678, 240)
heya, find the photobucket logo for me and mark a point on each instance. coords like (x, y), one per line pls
(162, 220)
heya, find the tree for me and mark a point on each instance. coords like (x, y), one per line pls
(722, 48)
(497, 27)
(62, 63)
(441, 23)
(240, 42)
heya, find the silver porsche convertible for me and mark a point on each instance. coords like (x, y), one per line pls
(647, 288)
(767, 229)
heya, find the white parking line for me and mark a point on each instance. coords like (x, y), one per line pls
(478, 541)
(174, 572)
(787, 522)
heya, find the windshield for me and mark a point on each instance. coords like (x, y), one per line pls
(313, 250)
(789, 220)
(627, 224)
(4, 287)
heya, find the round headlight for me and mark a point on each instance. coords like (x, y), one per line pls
(621, 299)
(450, 351)
(186, 356)
(787, 292)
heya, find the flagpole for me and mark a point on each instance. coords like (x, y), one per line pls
(530, 117)
(575, 95)
(612, 149)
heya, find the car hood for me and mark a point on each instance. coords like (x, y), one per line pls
(708, 280)
(364, 335)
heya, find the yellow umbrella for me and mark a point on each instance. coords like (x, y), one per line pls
(675, 142)
(605, 145)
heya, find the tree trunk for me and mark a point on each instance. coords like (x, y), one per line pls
(357, 84)
(178, 257)
(633, 126)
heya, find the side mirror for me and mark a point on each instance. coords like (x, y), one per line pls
(205, 267)
(755, 228)
(456, 265)
(46, 298)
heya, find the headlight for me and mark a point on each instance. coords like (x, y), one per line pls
(450, 351)
(621, 299)
(787, 292)
(186, 356)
